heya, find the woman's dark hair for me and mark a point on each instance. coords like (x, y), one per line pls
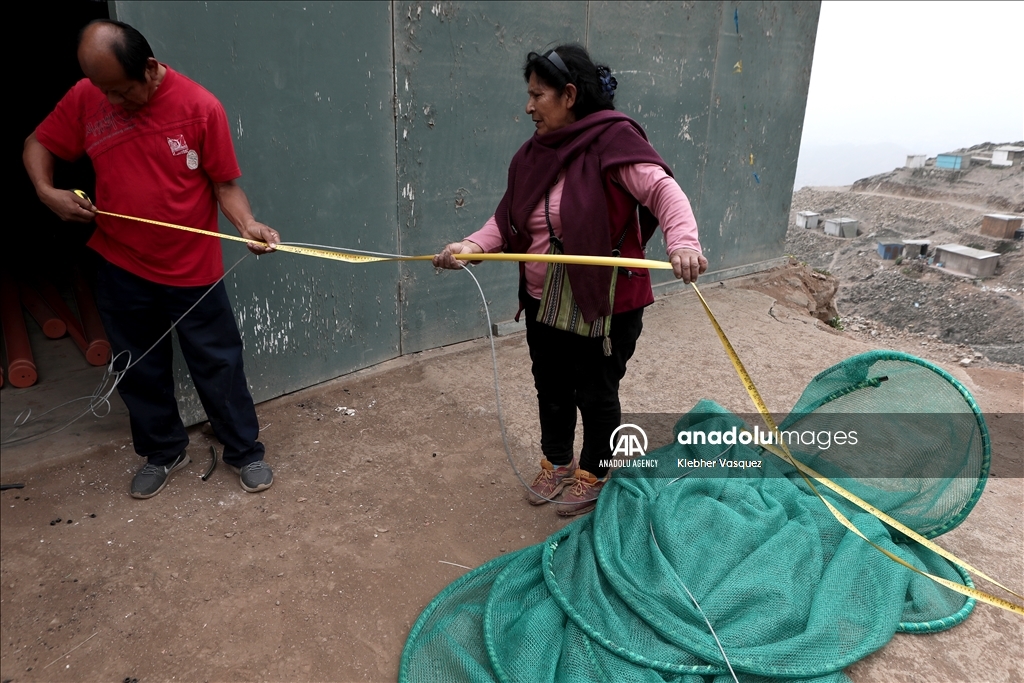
(131, 49)
(595, 85)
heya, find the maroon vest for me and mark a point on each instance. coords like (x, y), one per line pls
(594, 209)
(633, 288)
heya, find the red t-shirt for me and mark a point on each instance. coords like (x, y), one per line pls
(159, 162)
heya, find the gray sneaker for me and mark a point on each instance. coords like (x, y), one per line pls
(256, 476)
(152, 479)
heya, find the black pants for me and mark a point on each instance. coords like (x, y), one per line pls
(571, 371)
(135, 313)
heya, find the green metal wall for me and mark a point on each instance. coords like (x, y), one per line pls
(389, 126)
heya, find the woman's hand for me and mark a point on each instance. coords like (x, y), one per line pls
(687, 264)
(445, 259)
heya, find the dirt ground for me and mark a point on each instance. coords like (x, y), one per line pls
(321, 577)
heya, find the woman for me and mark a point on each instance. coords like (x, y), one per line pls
(575, 187)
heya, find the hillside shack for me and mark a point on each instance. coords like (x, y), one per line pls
(954, 162)
(1000, 157)
(890, 250)
(1000, 225)
(916, 248)
(966, 260)
(1005, 155)
(842, 227)
(808, 219)
(916, 160)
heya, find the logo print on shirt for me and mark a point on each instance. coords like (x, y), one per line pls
(192, 159)
(178, 145)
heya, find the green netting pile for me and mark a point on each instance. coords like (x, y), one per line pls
(790, 593)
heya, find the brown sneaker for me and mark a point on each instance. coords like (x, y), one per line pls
(581, 496)
(549, 482)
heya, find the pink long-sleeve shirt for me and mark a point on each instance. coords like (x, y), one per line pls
(649, 185)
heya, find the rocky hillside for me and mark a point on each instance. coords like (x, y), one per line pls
(909, 296)
(995, 188)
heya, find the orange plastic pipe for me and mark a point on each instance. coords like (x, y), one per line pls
(21, 367)
(52, 326)
(97, 351)
(56, 303)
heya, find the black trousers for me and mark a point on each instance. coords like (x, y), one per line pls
(135, 313)
(571, 372)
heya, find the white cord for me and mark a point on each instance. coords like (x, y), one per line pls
(100, 397)
(508, 450)
(694, 601)
(497, 397)
(494, 359)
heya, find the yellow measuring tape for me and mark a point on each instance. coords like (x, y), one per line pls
(363, 258)
(748, 383)
(783, 452)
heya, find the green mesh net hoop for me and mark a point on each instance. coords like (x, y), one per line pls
(789, 592)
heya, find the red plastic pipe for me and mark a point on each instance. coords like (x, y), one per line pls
(21, 370)
(53, 327)
(98, 350)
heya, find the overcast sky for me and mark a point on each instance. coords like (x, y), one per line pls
(929, 76)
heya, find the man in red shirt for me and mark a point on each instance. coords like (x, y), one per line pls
(161, 148)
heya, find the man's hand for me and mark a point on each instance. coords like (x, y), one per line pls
(235, 206)
(687, 264)
(260, 233)
(68, 206)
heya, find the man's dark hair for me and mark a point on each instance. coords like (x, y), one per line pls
(571, 63)
(130, 48)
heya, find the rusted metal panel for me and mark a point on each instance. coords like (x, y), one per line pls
(721, 90)
(663, 55)
(308, 91)
(389, 126)
(757, 112)
(723, 105)
(461, 99)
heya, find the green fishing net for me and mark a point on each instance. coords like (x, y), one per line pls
(697, 574)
